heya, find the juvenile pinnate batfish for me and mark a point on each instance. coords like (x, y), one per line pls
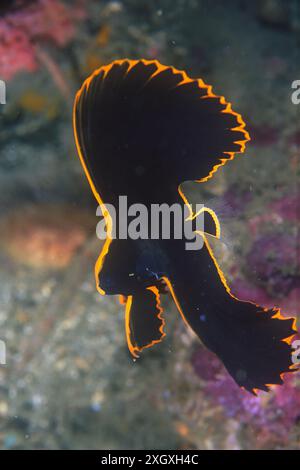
(141, 130)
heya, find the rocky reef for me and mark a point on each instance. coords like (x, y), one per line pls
(69, 382)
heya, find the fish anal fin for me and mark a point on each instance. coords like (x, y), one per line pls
(253, 342)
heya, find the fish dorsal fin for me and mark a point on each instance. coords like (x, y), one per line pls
(141, 124)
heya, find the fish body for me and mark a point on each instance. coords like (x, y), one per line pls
(141, 130)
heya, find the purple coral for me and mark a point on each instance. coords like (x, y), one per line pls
(271, 415)
(273, 258)
(288, 207)
(237, 200)
(220, 386)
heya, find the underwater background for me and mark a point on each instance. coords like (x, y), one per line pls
(69, 381)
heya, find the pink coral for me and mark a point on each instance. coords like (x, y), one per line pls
(16, 51)
(21, 29)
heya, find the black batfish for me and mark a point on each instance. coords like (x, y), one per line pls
(142, 129)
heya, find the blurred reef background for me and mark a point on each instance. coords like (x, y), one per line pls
(69, 382)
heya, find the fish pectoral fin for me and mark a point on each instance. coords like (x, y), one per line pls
(144, 323)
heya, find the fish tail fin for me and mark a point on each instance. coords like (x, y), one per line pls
(252, 342)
